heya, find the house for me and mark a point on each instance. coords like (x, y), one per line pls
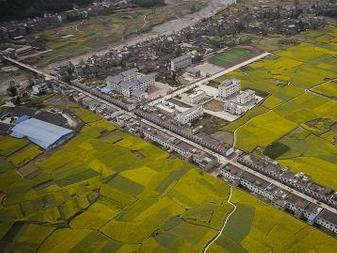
(327, 220)
(228, 88)
(181, 62)
(190, 114)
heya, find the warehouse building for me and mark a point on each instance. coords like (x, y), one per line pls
(43, 134)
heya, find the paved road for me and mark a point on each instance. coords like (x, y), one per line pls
(207, 79)
(221, 158)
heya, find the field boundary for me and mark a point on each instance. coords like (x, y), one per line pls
(225, 222)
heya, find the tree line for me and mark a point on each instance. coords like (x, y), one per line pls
(20, 9)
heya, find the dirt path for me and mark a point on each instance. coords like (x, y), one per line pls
(225, 222)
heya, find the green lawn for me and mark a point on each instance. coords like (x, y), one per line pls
(231, 56)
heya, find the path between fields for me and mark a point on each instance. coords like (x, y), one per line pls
(225, 222)
(312, 91)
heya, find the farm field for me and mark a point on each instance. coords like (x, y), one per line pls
(108, 191)
(81, 37)
(232, 56)
(257, 227)
(105, 190)
(301, 110)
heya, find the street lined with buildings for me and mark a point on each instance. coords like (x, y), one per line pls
(222, 155)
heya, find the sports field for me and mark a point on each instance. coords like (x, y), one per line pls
(301, 108)
(232, 56)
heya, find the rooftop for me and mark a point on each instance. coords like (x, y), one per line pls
(40, 132)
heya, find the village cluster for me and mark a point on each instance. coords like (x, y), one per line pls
(145, 97)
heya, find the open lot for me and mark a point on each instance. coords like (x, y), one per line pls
(301, 108)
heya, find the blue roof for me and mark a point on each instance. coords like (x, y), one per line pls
(312, 217)
(40, 132)
(106, 89)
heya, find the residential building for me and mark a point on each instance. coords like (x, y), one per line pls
(190, 115)
(195, 97)
(228, 88)
(246, 97)
(327, 220)
(194, 72)
(181, 62)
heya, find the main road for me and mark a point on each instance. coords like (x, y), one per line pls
(222, 159)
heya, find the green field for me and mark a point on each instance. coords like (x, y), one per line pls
(232, 56)
(116, 196)
(301, 108)
(108, 191)
(257, 227)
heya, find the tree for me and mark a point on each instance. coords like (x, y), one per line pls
(12, 91)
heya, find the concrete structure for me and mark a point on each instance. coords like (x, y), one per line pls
(194, 72)
(195, 97)
(233, 108)
(246, 97)
(39, 89)
(327, 220)
(190, 115)
(228, 88)
(181, 62)
(130, 83)
(167, 109)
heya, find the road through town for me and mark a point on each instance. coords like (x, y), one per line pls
(222, 159)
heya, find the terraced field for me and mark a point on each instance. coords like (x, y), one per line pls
(301, 110)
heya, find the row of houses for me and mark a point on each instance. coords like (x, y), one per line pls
(297, 181)
(286, 201)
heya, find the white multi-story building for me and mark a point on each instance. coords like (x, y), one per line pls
(194, 97)
(181, 62)
(234, 108)
(246, 97)
(228, 88)
(190, 115)
(130, 83)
